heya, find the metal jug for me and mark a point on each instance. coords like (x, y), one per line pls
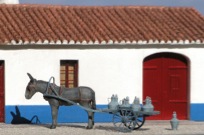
(113, 104)
(136, 105)
(174, 121)
(125, 102)
(148, 107)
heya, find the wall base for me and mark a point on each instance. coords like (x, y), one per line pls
(72, 114)
(197, 112)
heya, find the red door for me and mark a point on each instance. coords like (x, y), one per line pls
(165, 80)
(2, 91)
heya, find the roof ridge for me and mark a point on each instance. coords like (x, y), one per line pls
(78, 6)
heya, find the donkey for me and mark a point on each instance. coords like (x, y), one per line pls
(85, 96)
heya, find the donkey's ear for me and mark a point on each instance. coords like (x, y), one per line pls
(30, 76)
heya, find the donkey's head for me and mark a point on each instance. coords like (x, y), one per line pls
(31, 87)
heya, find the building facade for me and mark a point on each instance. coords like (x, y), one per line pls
(127, 60)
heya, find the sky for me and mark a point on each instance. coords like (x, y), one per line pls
(197, 4)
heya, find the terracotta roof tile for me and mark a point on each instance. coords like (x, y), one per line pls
(74, 24)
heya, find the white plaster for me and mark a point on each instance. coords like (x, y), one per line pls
(52, 42)
(71, 42)
(103, 42)
(110, 42)
(122, 42)
(162, 42)
(116, 42)
(174, 42)
(192, 42)
(150, 41)
(156, 42)
(128, 42)
(198, 41)
(106, 71)
(58, 42)
(186, 42)
(144, 42)
(20, 42)
(134, 42)
(26, 42)
(96, 42)
(13, 42)
(78, 42)
(45, 42)
(84, 42)
(9, 1)
(139, 42)
(32, 42)
(39, 42)
(64, 42)
(180, 42)
(169, 42)
(90, 42)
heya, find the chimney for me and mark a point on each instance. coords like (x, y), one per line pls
(9, 1)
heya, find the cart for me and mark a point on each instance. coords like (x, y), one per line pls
(125, 119)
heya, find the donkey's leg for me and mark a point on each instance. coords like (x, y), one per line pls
(54, 109)
(90, 115)
(93, 119)
(54, 116)
(90, 120)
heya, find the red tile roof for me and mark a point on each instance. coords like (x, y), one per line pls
(31, 24)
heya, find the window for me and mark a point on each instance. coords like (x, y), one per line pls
(69, 73)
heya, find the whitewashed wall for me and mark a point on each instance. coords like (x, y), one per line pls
(9, 1)
(107, 71)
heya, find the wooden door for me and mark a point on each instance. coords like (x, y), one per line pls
(2, 102)
(165, 80)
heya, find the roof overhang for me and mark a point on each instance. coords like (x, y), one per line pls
(110, 42)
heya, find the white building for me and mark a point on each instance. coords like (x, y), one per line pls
(129, 51)
(9, 1)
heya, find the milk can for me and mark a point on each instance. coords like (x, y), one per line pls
(174, 121)
(136, 105)
(148, 107)
(113, 105)
(125, 102)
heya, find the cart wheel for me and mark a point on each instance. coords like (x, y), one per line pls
(123, 122)
(139, 122)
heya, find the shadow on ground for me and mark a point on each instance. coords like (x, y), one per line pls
(18, 119)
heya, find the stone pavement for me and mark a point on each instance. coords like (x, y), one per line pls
(149, 128)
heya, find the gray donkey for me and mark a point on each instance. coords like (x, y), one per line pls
(85, 96)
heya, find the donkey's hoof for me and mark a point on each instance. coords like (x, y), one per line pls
(89, 127)
(52, 127)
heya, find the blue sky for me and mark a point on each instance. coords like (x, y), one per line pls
(197, 4)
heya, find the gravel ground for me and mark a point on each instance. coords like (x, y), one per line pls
(149, 128)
